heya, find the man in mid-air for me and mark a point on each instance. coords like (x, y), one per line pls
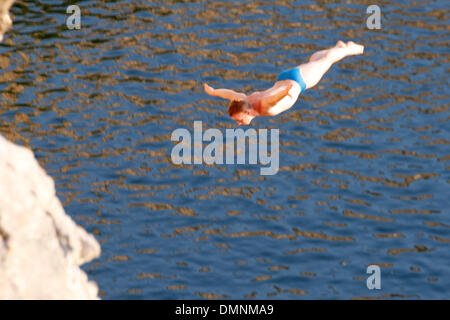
(288, 86)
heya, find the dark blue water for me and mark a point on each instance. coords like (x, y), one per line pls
(364, 156)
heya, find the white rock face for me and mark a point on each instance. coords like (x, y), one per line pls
(41, 247)
(5, 20)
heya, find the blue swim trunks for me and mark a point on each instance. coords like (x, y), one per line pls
(293, 74)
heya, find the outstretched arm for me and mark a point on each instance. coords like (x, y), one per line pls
(224, 93)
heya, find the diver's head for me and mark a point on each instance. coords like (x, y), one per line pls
(241, 111)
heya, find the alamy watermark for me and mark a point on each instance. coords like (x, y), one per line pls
(374, 281)
(214, 152)
(74, 20)
(374, 20)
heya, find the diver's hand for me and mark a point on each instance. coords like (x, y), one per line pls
(208, 89)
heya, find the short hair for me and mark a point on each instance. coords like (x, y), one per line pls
(236, 106)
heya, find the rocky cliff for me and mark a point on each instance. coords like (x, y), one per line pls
(41, 248)
(5, 20)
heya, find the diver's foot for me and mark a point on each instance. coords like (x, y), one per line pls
(340, 44)
(354, 48)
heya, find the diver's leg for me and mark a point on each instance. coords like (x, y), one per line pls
(314, 70)
(320, 54)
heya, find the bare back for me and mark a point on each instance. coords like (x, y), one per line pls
(267, 103)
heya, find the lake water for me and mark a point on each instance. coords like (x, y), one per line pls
(364, 156)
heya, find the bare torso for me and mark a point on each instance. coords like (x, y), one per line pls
(259, 101)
